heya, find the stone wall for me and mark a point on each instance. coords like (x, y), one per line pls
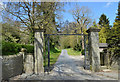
(0, 68)
(29, 63)
(12, 65)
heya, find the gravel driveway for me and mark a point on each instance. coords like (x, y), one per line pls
(67, 68)
(71, 68)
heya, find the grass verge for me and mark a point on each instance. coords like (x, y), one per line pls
(54, 54)
(73, 52)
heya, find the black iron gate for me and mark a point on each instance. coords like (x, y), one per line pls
(47, 47)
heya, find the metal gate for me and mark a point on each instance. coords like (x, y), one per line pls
(47, 48)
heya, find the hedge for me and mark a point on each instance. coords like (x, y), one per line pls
(9, 48)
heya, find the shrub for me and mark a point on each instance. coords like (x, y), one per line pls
(83, 52)
(77, 47)
(30, 48)
(9, 48)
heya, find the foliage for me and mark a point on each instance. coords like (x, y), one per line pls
(34, 15)
(103, 21)
(94, 25)
(71, 41)
(29, 48)
(73, 52)
(9, 48)
(64, 42)
(105, 28)
(77, 47)
(103, 35)
(10, 33)
(114, 38)
(83, 52)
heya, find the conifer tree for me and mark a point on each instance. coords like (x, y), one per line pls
(105, 28)
(103, 21)
(114, 38)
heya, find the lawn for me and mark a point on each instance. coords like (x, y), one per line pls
(72, 52)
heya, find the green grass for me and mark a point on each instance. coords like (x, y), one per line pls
(73, 52)
(53, 58)
(54, 54)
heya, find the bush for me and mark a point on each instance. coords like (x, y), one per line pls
(30, 49)
(83, 52)
(77, 47)
(9, 48)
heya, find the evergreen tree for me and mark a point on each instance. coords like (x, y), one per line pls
(105, 28)
(114, 38)
(103, 21)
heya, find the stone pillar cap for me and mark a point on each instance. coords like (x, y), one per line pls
(93, 30)
(39, 30)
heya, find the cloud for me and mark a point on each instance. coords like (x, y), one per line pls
(108, 4)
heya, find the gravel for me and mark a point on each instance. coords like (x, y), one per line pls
(67, 68)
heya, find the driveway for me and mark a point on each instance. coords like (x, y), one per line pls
(67, 68)
(71, 68)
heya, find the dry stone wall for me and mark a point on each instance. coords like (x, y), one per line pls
(12, 65)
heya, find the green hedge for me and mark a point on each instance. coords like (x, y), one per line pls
(9, 48)
(30, 49)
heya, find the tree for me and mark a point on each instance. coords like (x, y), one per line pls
(114, 38)
(82, 17)
(94, 25)
(10, 33)
(105, 28)
(103, 21)
(70, 41)
(34, 15)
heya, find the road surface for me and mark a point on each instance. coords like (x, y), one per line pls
(67, 68)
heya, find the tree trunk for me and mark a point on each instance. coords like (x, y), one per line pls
(83, 42)
(82, 39)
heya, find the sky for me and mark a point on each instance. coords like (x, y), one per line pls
(96, 8)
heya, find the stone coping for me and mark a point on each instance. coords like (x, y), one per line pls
(39, 30)
(29, 54)
(93, 30)
(103, 45)
(12, 56)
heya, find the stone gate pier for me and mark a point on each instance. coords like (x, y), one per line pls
(38, 51)
(93, 49)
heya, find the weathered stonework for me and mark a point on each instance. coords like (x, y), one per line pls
(12, 65)
(93, 51)
(0, 68)
(38, 51)
(119, 69)
(28, 63)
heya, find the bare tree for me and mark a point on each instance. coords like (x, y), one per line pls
(33, 14)
(82, 17)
